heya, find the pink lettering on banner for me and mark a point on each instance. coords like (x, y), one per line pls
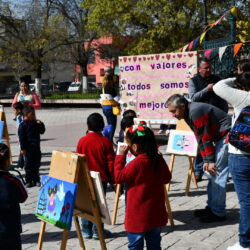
(130, 68)
(153, 96)
(155, 114)
(158, 76)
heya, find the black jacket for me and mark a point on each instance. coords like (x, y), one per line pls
(12, 192)
(29, 134)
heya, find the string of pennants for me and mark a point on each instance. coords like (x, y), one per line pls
(190, 46)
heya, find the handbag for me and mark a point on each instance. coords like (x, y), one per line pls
(116, 108)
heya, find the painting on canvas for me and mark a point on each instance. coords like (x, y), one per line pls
(56, 201)
(182, 143)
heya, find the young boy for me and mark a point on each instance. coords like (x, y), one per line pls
(100, 156)
(12, 193)
(29, 137)
(17, 108)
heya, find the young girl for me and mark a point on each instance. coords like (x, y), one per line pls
(145, 177)
(12, 193)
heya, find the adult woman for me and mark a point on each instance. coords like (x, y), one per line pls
(25, 97)
(236, 91)
(109, 98)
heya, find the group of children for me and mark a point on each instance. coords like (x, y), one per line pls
(138, 165)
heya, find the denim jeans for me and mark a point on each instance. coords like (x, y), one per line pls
(198, 165)
(89, 227)
(111, 119)
(239, 166)
(152, 237)
(216, 189)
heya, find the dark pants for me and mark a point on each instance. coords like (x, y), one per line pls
(111, 119)
(239, 166)
(20, 162)
(32, 163)
(89, 227)
(10, 242)
(152, 237)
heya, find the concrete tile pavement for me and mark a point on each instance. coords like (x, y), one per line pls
(64, 128)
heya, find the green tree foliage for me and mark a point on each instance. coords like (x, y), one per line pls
(30, 35)
(155, 26)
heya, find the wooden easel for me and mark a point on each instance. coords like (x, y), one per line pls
(182, 125)
(73, 168)
(116, 203)
(5, 130)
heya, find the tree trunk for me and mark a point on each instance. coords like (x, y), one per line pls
(38, 81)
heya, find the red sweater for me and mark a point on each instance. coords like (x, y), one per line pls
(99, 154)
(145, 194)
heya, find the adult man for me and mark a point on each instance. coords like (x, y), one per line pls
(210, 125)
(200, 89)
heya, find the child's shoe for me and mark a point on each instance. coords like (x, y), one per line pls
(87, 235)
(29, 185)
(106, 233)
(237, 246)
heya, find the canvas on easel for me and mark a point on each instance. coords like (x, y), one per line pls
(182, 142)
(72, 167)
(5, 133)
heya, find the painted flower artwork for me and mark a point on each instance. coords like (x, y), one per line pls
(56, 202)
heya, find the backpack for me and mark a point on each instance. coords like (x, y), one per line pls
(239, 135)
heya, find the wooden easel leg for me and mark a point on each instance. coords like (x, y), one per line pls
(190, 174)
(117, 195)
(78, 231)
(101, 233)
(193, 174)
(169, 210)
(64, 239)
(171, 166)
(41, 234)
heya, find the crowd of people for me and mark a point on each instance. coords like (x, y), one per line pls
(138, 165)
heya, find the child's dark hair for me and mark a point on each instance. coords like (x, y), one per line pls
(147, 144)
(95, 122)
(126, 122)
(4, 154)
(244, 65)
(243, 81)
(129, 112)
(18, 105)
(27, 109)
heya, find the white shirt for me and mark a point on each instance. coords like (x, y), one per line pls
(239, 99)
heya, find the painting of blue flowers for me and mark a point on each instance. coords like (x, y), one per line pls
(56, 201)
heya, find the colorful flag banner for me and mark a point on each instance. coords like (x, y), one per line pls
(208, 52)
(222, 51)
(196, 41)
(190, 46)
(185, 48)
(202, 37)
(237, 48)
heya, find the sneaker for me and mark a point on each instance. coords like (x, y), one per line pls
(107, 234)
(202, 212)
(198, 178)
(29, 185)
(237, 246)
(87, 235)
(212, 218)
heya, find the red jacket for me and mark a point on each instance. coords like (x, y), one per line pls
(145, 194)
(99, 154)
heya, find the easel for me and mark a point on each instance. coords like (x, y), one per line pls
(5, 130)
(73, 168)
(117, 196)
(182, 125)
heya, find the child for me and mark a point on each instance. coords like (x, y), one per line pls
(100, 156)
(17, 107)
(12, 193)
(145, 177)
(29, 137)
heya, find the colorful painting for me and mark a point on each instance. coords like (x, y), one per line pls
(56, 201)
(1, 130)
(182, 142)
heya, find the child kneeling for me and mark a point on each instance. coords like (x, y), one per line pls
(145, 177)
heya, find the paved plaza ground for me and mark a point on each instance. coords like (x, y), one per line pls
(64, 126)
